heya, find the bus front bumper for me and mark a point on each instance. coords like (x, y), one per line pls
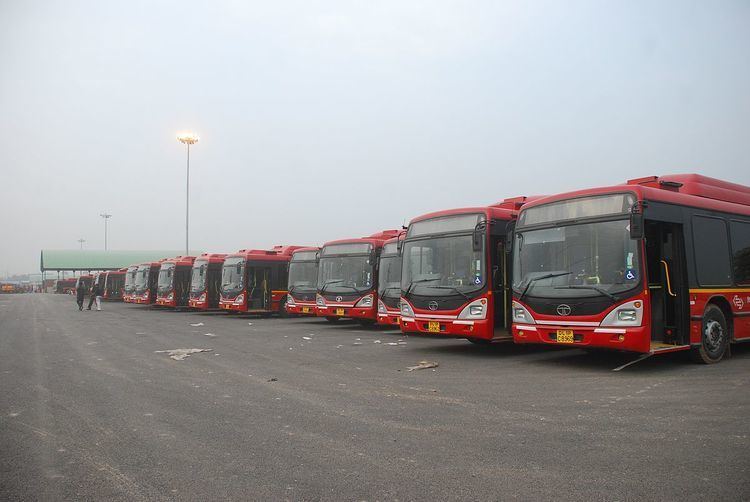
(389, 318)
(454, 328)
(346, 311)
(633, 339)
(301, 309)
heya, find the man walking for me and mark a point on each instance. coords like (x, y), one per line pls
(80, 293)
(96, 296)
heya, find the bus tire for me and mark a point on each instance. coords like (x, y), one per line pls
(332, 319)
(282, 308)
(714, 337)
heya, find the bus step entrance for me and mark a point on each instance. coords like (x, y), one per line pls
(656, 348)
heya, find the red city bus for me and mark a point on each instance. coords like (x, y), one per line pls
(454, 280)
(658, 264)
(205, 281)
(303, 281)
(146, 279)
(255, 280)
(389, 282)
(348, 278)
(173, 284)
(114, 282)
(65, 286)
(128, 290)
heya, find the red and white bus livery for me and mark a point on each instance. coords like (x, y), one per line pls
(255, 280)
(303, 281)
(146, 279)
(114, 281)
(454, 280)
(348, 278)
(128, 290)
(173, 285)
(657, 264)
(389, 282)
(205, 281)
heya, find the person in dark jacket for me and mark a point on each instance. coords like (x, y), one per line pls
(95, 293)
(80, 294)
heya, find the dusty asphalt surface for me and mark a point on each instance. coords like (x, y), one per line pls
(89, 411)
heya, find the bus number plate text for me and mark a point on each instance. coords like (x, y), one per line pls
(305, 310)
(339, 311)
(565, 336)
(433, 327)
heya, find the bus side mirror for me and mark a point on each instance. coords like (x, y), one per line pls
(509, 228)
(636, 226)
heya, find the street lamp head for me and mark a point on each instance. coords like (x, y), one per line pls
(188, 138)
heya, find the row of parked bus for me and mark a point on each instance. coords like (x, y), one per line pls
(654, 265)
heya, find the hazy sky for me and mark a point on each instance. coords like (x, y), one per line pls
(325, 120)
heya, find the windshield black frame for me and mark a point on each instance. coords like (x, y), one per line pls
(141, 286)
(229, 271)
(302, 271)
(448, 284)
(386, 271)
(200, 272)
(165, 281)
(331, 266)
(593, 276)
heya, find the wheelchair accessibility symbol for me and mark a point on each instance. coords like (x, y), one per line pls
(629, 274)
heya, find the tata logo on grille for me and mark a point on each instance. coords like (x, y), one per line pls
(338, 298)
(433, 305)
(564, 309)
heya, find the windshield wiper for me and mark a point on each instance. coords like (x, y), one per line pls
(388, 288)
(589, 286)
(541, 277)
(325, 284)
(454, 288)
(412, 283)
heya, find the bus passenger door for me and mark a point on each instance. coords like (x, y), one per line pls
(667, 283)
(498, 286)
(259, 294)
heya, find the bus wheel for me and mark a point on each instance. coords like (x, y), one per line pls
(332, 319)
(714, 337)
(282, 308)
(479, 341)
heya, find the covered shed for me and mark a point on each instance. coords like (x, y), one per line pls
(86, 261)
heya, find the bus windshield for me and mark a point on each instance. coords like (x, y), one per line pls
(583, 260)
(166, 278)
(232, 275)
(130, 279)
(442, 266)
(141, 278)
(389, 276)
(303, 276)
(198, 277)
(345, 274)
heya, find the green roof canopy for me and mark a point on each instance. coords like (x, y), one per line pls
(55, 259)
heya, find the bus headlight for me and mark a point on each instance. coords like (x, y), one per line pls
(202, 298)
(320, 301)
(290, 300)
(239, 300)
(381, 307)
(170, 296)
(406, 310)
(365, 302)
(627, 314)
(475, 310)
(520, 314)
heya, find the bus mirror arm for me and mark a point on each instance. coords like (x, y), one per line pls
(476, 236)
(637, 226)
(509, 227)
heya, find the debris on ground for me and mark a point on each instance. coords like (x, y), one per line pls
(249, 324)
(195, 325)
(423, 365)
(274, 379)
(208, 334)
(391, 343)
(357, 343)
(377, 341)
(306, 338)
(181, 354)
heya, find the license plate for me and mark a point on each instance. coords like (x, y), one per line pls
(565, 336)
(305, 310)
(433, 327)
(339, 311)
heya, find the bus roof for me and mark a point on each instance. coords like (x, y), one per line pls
(152, 263)
(692, 190)
(277, 253)
(377, 239)
(212, 257)
(506, 209)
(180, 261)
(401, 234)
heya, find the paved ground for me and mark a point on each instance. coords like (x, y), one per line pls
(90, 411)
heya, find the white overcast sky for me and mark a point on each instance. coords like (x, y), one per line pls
(325, 120)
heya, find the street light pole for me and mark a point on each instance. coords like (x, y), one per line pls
(106, 217)
(81, 241)
(187, 138)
